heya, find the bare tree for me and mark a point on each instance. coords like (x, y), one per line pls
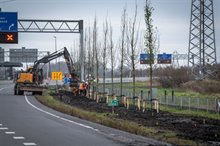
(122, 46)
(94, 45)
(104, 51)
(93, 55)
(75, 55)
(112, 56)
(89, 55)
(132, 52)
(96, 54)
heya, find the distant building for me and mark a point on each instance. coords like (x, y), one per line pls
(23, 54)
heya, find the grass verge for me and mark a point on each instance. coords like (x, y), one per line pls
(204, 114)
(111, 120)
(179, 92)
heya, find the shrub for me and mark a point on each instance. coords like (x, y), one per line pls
(172, 77)
(203, 86)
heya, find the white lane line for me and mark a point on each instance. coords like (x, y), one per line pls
(0, 124)
(112, 134)
(9, 132)
(61, 118)
(18, 137)
(29, 143)
(4, 88)
(3, 128)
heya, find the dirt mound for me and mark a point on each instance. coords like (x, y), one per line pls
(203, 86)
(194, 128)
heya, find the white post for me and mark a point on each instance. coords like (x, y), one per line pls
(139, 104)
(207, 105)
(189, 103)
(181, 103)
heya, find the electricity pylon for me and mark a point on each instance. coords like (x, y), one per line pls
(202, 48)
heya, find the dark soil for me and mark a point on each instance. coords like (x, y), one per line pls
(194, 128)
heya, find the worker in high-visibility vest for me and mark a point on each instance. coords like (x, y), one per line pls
(85, 88)
(81, 88)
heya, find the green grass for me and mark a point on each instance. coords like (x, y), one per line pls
(187, 112)
(178, 92)
(202, 114)
(111, 120)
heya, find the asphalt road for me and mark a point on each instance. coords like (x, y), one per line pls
(24, 121)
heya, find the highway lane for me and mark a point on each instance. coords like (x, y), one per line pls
(24, 121)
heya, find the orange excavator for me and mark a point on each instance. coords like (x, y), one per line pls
(31, 80)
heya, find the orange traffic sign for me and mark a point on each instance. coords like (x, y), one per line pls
(56, 75)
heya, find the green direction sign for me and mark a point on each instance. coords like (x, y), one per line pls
(114, 102)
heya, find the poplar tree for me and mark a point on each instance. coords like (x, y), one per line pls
(149, 39)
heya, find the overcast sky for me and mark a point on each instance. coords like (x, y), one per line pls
(171, 17)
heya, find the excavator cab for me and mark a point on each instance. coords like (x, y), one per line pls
(24, 77)
(30, 77)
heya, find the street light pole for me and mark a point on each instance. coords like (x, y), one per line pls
(55, 38)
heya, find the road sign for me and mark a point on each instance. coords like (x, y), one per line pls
(23, 55)
(8, 22)
(164, 58)
(56, 75)
(9, 27)
(9, 37)
(114, 102)
(146, 58)
(143, 58)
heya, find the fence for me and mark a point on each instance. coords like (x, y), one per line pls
(207, 104)
(191, 103)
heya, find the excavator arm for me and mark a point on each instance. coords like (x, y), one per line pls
(47, 59)
(63, 52)
(36, 71)
(74, 77)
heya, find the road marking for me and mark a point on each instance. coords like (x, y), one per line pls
(9, 132)
(3, 128)
(18, 137)
(4, 88)
(58, 117)
(0, 124)
(112, 134)
(29, 143)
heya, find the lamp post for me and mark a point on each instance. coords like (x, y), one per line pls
(55, 39)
